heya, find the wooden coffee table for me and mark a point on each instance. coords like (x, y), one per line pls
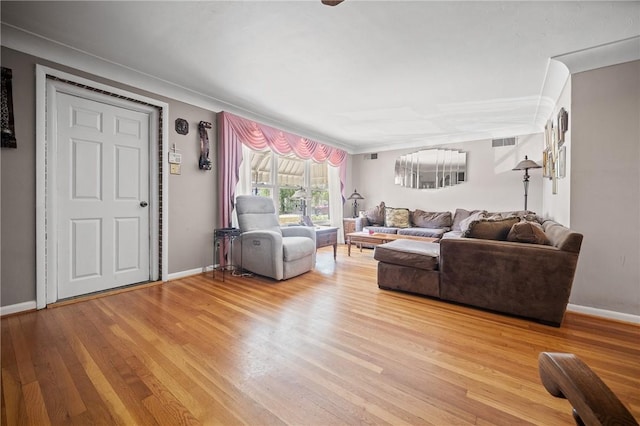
(379, 238)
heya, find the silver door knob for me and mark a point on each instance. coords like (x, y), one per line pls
(143, 204)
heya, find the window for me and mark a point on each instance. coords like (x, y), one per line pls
(280, 176)
(261, 180)
(319, 186)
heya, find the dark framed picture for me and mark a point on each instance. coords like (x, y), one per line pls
(182, 126)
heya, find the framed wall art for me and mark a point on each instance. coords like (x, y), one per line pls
(562, 162)
(546, 171)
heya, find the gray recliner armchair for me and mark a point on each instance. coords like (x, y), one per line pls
(265, 248)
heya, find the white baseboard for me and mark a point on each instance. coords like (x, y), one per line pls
(182, 274)
(18, 307)
(603, 313)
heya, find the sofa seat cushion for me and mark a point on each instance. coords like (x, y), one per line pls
(416, 254)
(381, 229)
(423, 232)
(295, 248)
(452, 234)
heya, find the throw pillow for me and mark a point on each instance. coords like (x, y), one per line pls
(460, 215)
(396, 218)
(463, 226)
(436, 220)
(528, 232)
(375, 215)
(490, 229)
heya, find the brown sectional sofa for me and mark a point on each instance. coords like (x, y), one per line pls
(522, 279)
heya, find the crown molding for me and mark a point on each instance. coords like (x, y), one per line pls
(561, 67)
(604, 55)
(555, 79)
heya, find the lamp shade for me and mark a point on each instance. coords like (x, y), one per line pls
(300, 193)
(527, 164)
(355, 196)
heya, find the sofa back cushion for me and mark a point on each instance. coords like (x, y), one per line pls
(257, 213)
(527, 215)
(398, 218)
(489, 229)
(475, 216)
(375, 215)
(562, 237)
(436, 220)
(462, 214)
(528, 232)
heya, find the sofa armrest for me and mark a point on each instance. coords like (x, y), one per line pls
(361, 222)
(299, 231)
(566, 376)
(528, 280)
(260, 252)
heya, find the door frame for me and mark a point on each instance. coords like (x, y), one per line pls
(46, 193)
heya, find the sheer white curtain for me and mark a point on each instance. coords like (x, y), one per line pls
(335, 201)
(243, 187)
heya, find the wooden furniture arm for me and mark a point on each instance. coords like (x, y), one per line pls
(566, 376)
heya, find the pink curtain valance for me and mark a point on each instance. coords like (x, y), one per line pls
(260, 136)
(233, 131)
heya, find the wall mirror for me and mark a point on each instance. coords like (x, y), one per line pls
(431, 168)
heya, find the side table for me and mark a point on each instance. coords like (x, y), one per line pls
(327, 237)
(223, 243)
(348, 226)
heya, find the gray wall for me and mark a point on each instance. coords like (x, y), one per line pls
(192, 195)
(18, 180)
(491, 185)
(193, 209)
(605, 186)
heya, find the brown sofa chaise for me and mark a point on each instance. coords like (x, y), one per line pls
(527, 280)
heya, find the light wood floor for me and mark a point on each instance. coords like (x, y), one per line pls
(325, 348)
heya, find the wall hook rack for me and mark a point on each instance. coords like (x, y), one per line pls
(204, 163)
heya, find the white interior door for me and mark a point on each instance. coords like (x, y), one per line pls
(102, 196)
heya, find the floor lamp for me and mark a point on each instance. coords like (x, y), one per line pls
(355, 197)
(525, 165)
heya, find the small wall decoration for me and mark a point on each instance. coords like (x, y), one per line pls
(175, 160)
(8, 127)
(546, 164)
(555, 154)
(204, 163)
(182, 126)
(547, 135)
(563, 124)
(562, 162)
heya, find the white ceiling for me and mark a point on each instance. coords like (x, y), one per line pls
(364, 75)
